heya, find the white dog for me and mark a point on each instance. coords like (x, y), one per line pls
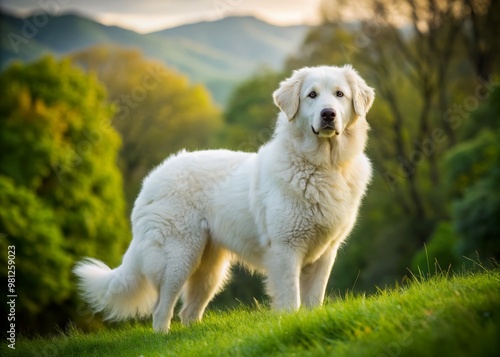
(283, 211)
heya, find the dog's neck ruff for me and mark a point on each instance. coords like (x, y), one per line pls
(331, 152)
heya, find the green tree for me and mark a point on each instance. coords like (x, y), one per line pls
(251, 113)
(61, 190)
(472, 173)
(473, 169)
(158, 111)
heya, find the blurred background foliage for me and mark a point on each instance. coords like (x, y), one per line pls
(157, 110)
(79, 134)
(61, 190)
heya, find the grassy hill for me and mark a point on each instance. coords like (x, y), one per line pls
(218, 54)
(441, 316)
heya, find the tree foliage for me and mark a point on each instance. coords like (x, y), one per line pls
(473, 169)
(61, 190)
(158, 112)
(251, 113)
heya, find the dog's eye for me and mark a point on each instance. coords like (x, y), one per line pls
(339, 94)
(313, 94)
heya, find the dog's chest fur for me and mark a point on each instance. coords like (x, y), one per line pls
(323, 204)
(320, 191)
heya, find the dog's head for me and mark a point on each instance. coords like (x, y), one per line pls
(324, 100)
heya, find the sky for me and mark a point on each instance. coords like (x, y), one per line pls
(150, 15)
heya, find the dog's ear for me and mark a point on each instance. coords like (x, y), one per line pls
(362, 94)
(287, 96)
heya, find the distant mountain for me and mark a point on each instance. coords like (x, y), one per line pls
(218, 54)
(245, 37)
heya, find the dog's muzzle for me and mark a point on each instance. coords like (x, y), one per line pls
(325, 131)
(327, 125)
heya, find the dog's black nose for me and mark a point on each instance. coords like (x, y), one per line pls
(328, 114)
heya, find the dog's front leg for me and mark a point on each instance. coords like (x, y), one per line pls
(314, 278)
(283, 274)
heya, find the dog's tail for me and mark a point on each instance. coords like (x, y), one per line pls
(118, 293)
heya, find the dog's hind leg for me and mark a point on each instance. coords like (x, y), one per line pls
(181, 259)
(206, 281)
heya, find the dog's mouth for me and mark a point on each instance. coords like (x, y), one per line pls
(325, 131)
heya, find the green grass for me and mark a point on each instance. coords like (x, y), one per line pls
(440, 316)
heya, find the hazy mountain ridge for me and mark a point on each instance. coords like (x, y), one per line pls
(245, 36)
(218, 53)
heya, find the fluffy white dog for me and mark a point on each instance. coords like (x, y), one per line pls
(283, 211)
